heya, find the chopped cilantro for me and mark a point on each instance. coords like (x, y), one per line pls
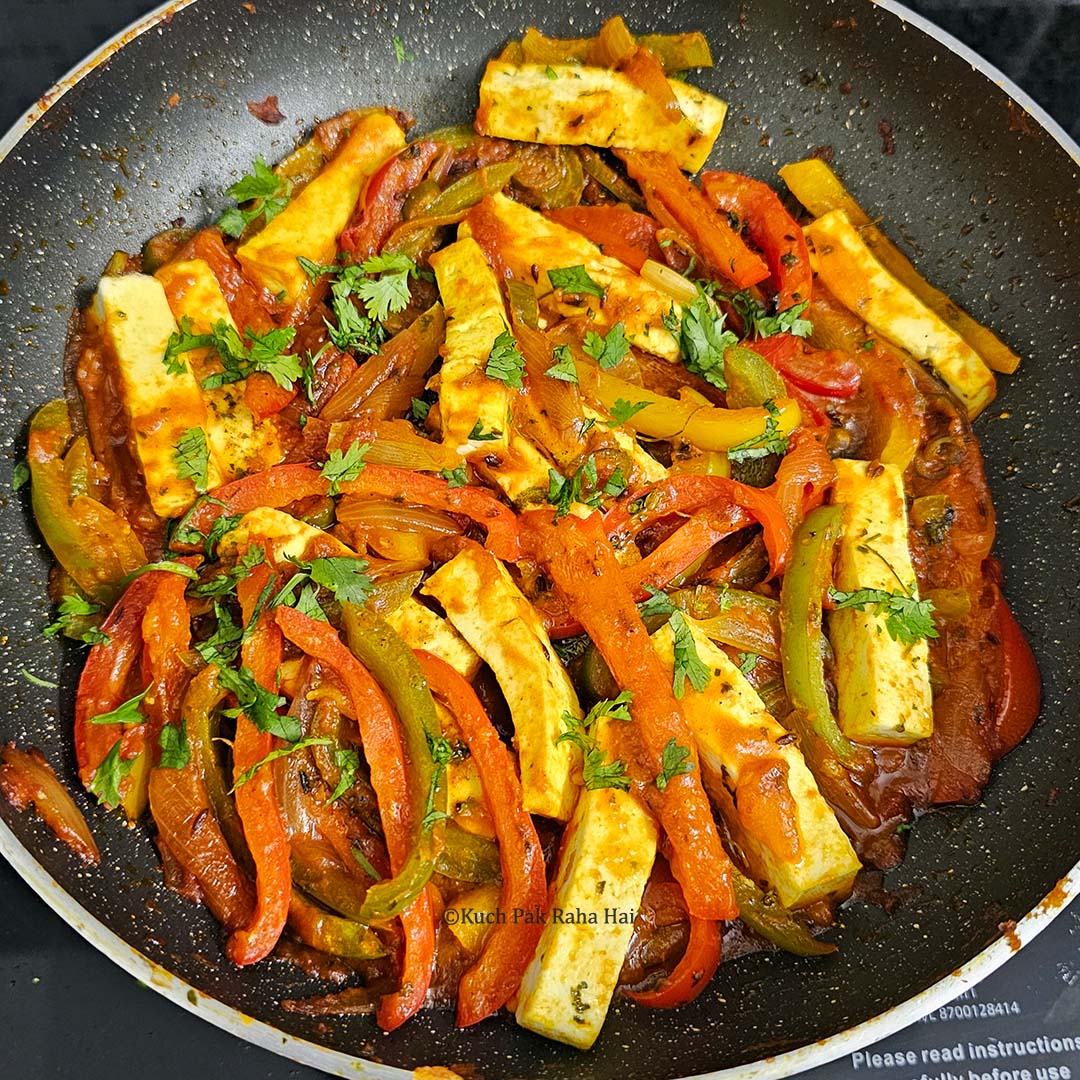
(222, 647)
(907, 620)
(175, 751)
(702, 339)
(563, 369)
(192, 457)
(127, 712)
(674, 761)
(267, 193)
(348, 761)
(239, 360)
(30, 677)
(575, 281)
(258, 704)
(20, 475)
(505, 361)
(344, 466)
(280, 752)
(748, 661)
(622, 410)
(770, 441)
(657, 604)
(759, 324)
(72, 610)
(480, 435)
(550, 72)
(596, 771)
(616, 483)
(420, 410)
(611, 349)
(108, 776)
(456, 477)
(688, 665)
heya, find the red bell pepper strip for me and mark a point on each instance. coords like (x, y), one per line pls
(264, 397)
(817, 371)
(385, 755)
(623, 234)
(166, 634)
(805, 474)
(716, 242)
(378, 211)
(1019, 692)
(106, 679)
(687, 493)
(581, 562)
(284, 484)
(770, 228)
(256, 799)
(250, 306)
(692, 973)
(497, 973)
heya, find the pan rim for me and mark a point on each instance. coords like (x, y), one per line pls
(260, 1033)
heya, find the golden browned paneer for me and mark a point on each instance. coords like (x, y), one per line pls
(238, 444)
(283, 536)
(883, 686)
(527, 239)
(604, 865)
(420, 628)
(311, 223)
(136, 325)
(595, 106)
(850, 271)
(487, 608)
(746, 754)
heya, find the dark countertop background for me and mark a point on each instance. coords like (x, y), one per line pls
(66, 1010)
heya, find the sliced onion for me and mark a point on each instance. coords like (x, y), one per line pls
(27, 778)
(666, 279)
(386, 514)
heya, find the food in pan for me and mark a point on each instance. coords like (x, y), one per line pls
(515, 570)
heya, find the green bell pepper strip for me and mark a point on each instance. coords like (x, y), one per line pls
(467, 857)
(394, 667)
(751, 379)
(331, 933)
(808, 575)
(93, 544)
(765, 915)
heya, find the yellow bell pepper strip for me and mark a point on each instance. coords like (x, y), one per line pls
(392, 663)
(705, 426)
(819, 189)
(808, 575)
(385, 754)
(576, 555)
(850, 271)
(765, 915)
(94, 545)
(332, 934)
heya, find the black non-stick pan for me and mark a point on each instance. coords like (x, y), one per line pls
(976, 188)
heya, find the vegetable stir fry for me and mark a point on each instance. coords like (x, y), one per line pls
(518, 572)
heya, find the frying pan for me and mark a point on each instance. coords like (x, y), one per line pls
(984, 193)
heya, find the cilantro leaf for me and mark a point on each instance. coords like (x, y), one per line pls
(344, 466)
(617, 708)
(224, 583)
(258, 705)
(365, 863)
(348, 761)
(505, 361)
(615, 484)
(420, 410)
(239, 360)
(702, 339)
(575, 280)
(267, 193)
(550, 72)
(770, 441)
(280, 752)
(611, 349)
(307, 603)
(759, 324)
(30, 677)
(563, 369)
(385, 294)
(441, 752)
(72, 613)
(20, 475)
(688, 665)
(480, 435)
(175, 751)
(657, 604)
(127, 712)
(108, 775)
(222, 647)
(456, 477)
(165, 565)
(192, 457)
(907, 620)
(674, 761)
(748, 661)
(345, 577)
(622, 410)
(596, 771)
(401, 54)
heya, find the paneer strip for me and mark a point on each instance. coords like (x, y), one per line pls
(594, 106)
(818, 188)
(755, 772)
(283, 536)
(606, 858)
(854, 276)
(239, 445)
(136, 325)
(883, 686)
(420, 628)
(470, 400)
(522, 238)
(483, 603)
(311, 223)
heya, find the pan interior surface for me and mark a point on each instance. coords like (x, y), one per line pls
(985, 201)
